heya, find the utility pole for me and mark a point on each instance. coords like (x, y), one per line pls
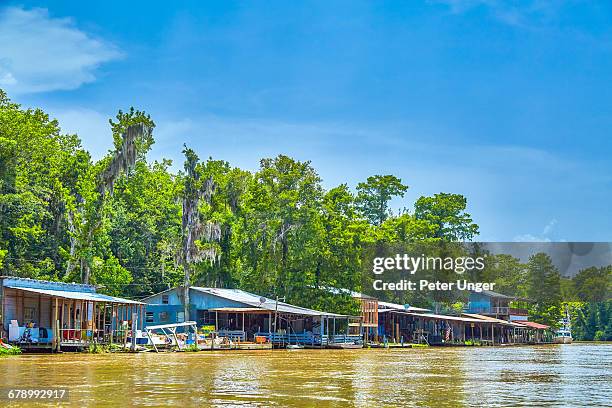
(276, 313)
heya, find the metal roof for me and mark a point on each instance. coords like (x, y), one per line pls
(238, 310)
(389, 305)
(533, 325)
(434, 316)
(16, 281)
(491, 319)
(261, 302)
(94, 297)
(490, 293)
(447, 317)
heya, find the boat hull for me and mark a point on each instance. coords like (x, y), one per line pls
(562, 340)
(344, 346)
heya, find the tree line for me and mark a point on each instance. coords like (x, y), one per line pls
(135, 227)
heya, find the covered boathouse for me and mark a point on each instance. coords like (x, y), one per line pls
(399, 326)
(244, 316)
(54, 316)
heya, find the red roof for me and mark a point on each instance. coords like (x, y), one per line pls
(533, 325)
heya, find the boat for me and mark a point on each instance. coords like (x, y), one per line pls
(294, 347)
(344, 346)
(564, 334)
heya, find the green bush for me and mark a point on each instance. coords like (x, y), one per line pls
(192, 348)
(9, 351)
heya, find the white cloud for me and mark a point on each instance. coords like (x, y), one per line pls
(548, 228)
(530, 238)
(39, 53)
(543, 237)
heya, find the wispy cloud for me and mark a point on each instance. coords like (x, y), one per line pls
(39, 53)
(526, 14)
(545, 236)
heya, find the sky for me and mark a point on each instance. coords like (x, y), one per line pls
(508, 105)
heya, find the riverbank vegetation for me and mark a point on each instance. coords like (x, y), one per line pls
(137, 227)
(9, 351)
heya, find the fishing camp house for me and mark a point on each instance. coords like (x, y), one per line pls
(55, 316)
(403, 325)
(488, 319)
(498, 305)
(243, 316)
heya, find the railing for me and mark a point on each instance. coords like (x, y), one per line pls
(234, 335)
(80, 335)
(84, 336)
(479, 309)
(295, 338)
(309, 338)
(518, 311)
(504, 310)
(500, 310)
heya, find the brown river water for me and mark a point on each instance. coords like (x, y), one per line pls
(551, 375)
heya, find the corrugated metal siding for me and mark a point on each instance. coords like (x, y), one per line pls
(173, 297)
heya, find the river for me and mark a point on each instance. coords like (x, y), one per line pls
(548, 375)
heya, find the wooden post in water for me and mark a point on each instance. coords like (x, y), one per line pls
(55, 325)
(134, 319)
(142, 317)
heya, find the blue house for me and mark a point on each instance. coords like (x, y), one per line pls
(489, 303)
(38, 314)
(242, 315)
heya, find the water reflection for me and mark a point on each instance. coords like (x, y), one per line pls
(568, 375)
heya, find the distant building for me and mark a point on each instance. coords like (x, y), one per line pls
(493, 304)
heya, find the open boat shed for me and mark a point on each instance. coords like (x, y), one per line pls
(38, 314)
(245, 316)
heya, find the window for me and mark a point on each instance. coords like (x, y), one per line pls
(180, 317)
(163, 316)
(29, 313)
(164, 299)
(149, 317)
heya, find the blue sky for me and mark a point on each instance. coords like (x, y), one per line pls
(510, 106)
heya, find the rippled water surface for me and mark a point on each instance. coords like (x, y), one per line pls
(551, 375)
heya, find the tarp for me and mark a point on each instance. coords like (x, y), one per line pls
(92, 297)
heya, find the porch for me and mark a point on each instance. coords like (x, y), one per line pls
(38, 315)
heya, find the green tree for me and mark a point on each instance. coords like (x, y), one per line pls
(145, 225)
(544, 289)
(38, 171)
(198, 233)
(594, 284)
(447, 212)
(86, 210)
(282, 230)
(374, 195)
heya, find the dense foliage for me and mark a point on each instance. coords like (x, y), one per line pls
(135, 227)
